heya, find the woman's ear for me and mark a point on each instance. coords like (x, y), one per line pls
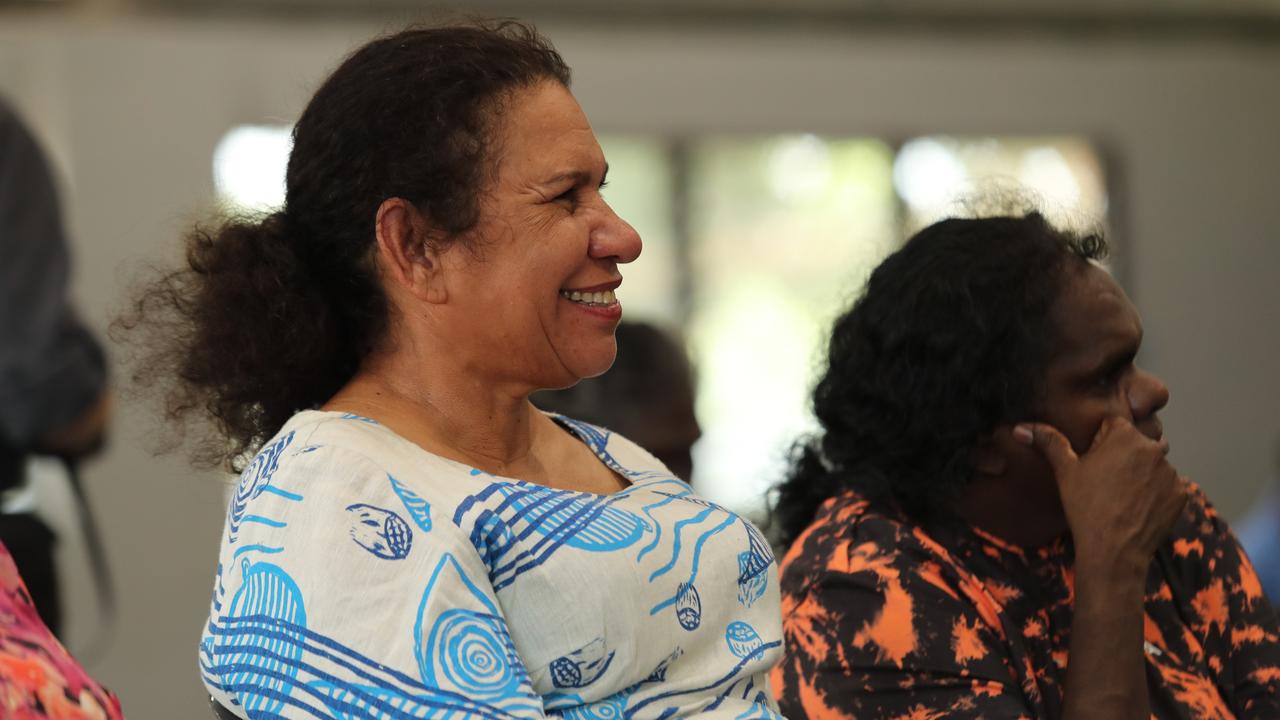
(406, 253)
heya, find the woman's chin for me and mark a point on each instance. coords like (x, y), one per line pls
(592, 362)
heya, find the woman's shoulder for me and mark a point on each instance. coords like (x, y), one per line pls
(348, 464)
(325, 445)
(852, 536)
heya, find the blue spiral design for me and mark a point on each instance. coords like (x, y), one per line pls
(471, 653)
(253, 481)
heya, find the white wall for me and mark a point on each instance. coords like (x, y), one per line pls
(131, 109)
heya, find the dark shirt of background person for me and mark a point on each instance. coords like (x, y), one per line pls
(53, 397)
(648, 396)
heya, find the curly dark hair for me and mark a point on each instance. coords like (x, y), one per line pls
(950, 340)
(275, 314)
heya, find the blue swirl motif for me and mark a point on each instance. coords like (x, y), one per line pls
(469, 651)
(264, 665)
(253, 481)
(381, 532)
(581, 667)
(507, 514)
(753, 567)
(742, 639)
(418, 508)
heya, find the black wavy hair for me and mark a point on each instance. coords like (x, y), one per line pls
(949, 340)
(275, 314)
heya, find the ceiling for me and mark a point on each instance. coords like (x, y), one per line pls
(1245, 18)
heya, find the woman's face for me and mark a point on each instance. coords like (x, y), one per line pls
(534, 302)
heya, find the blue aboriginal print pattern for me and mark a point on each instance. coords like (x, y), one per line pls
(254, 481)
(742, 639)
(264, 664)
(262, 653)
(506, 514)
(686, 600)
(381, 532)
(613, 707)
(418, 508)
(469, 651)
(389, 595)
(753, 566)
(582, 666)
(688, 607)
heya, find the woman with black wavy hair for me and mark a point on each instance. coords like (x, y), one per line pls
(413, 538)
(987, 524)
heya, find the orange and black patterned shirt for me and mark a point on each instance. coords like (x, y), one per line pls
(883, 620)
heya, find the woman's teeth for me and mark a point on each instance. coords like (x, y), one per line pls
(604, 297)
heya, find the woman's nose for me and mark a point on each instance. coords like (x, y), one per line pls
(614, 239)
(1147, 395)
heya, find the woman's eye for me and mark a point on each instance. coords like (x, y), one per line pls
(1112, 376)
(569, 197)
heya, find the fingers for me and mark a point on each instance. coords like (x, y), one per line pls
(1052, 444)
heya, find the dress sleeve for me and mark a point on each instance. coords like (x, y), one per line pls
(342, 594)
(51, 368)
(872, 633)
(1237, 625)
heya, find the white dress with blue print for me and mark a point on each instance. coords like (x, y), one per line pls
(363, 577)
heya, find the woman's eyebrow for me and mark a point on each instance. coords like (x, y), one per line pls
(579, 177)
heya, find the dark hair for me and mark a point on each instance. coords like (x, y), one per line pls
(275, 314)
(950, 339)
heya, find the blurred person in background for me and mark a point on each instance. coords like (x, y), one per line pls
(53, 401)
(647, 396)
(413, 536)
(1259, 532)
(987, 524)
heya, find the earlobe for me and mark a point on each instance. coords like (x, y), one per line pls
(404, 251)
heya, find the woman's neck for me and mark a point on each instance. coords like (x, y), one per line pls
(460, 417)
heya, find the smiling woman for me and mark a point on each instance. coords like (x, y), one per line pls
(412, 537)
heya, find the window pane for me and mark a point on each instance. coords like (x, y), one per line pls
(785, 231)
(249, 165)
(639, 190)
(1066, 174)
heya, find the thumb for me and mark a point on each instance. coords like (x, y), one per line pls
(1052, 444)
